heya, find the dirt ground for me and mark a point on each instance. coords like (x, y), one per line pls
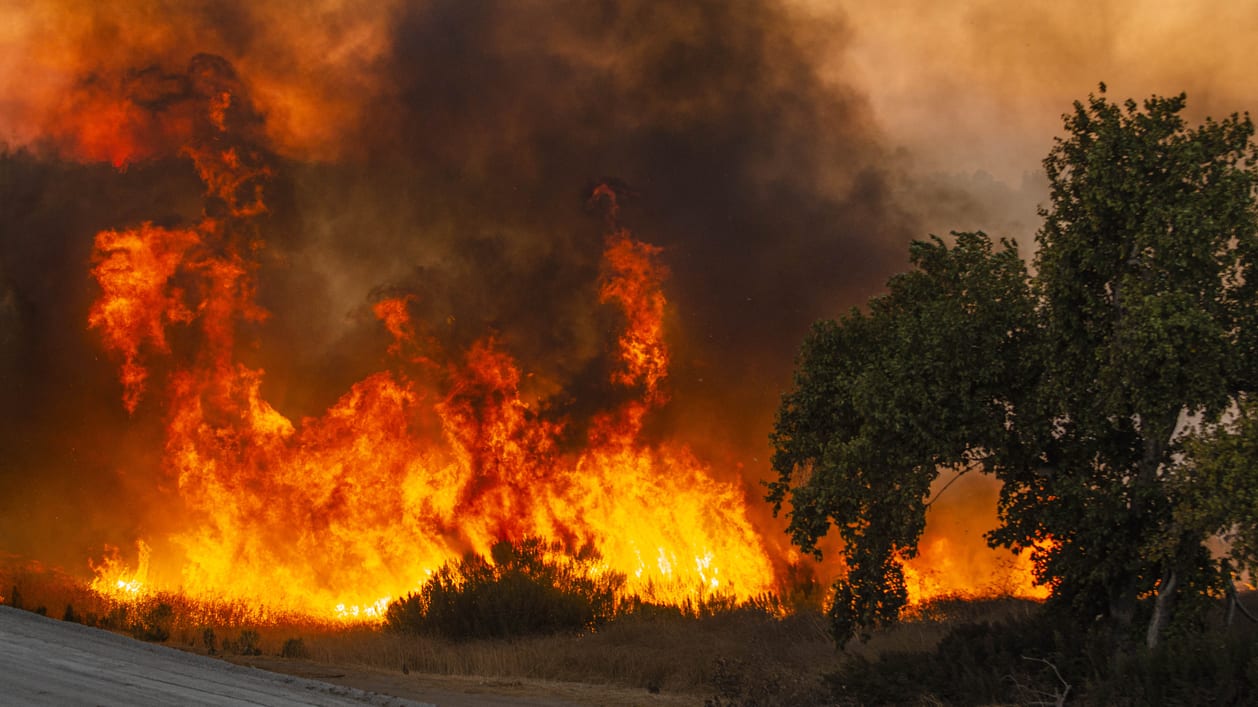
(461, 691)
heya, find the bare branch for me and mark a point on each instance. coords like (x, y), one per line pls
(1234, 597)
(1059, 698)
(970, 467)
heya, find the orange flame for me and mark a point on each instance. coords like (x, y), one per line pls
(115, 579)
(336, 514)
(134, 269)
(412, 466)
(953, 558)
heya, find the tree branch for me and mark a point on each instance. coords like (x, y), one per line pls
(1059, 698)
(1235, 598)
(971, 467)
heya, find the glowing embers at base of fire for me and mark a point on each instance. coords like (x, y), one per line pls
(114, 579)
(374, 611)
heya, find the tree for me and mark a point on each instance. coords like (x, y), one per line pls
(1076, 387)
(1216, 492)
(882, 400)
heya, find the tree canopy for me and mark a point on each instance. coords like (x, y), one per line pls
(1097, 385)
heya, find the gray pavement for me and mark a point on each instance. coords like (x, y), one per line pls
(49, 662)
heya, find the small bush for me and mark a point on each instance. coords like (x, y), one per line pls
(154, 625)
(294, 648)
(210, 641)
(744, 683)
(116, 619)
(518, 592)
(248, 643)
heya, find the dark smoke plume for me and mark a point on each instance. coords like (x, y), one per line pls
(461, 177)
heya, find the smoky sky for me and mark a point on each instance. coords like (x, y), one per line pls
(478, 133)
(766, 186)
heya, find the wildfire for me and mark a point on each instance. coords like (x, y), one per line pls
(953, 559)
(412, 466)
(115, 579)
(439, 454)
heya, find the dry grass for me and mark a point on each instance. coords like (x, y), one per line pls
(33, 587)
(734, 655)
(663, 653)
(923, 627)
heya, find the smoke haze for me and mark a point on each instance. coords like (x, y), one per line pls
(781, 154)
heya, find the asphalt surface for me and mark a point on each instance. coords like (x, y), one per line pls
(49, 662)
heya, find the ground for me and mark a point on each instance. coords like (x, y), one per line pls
(465, 691)
(49, 662)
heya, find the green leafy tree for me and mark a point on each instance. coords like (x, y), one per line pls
(1076, 387)
(1215, 491)
(883, 399)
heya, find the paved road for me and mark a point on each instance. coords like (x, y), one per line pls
(49, 662)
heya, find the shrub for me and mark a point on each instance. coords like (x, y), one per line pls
(519, 591)
(756, 683)
(1189, 670)
(210, 641)
(154, 625)
(248, 642)
(1033, 659)
(294, 648)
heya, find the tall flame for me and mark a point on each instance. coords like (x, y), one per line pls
(414, 465)
(441, 453)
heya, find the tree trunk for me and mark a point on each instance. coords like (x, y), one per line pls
(1157, 432)
(1162, 607)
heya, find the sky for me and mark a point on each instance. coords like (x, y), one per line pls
(974, 91)
(782, 154)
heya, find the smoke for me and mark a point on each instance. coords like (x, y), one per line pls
(974, 90)
(444, 150)
(781, 154)
(765, 184)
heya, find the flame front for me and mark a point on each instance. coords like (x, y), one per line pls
(444, 451)
(412, 466)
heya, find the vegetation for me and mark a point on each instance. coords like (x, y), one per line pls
(953, 651)
(749, 653)
(1110, 387)
(1096, 388)
(1035, 659)
(524, 589)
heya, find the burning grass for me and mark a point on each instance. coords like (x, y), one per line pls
(688, 649)
(760, 651)
(951, 650)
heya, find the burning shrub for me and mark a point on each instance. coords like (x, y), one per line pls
(523, 589)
